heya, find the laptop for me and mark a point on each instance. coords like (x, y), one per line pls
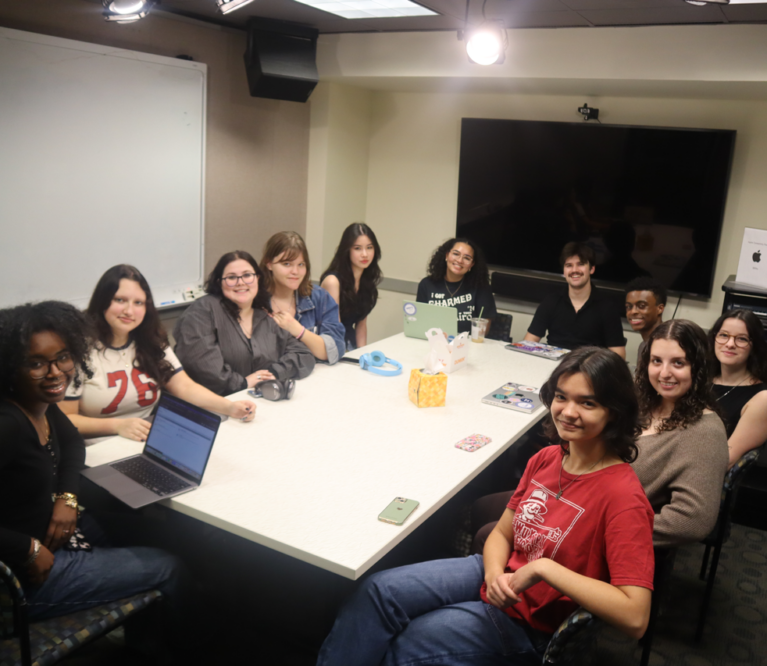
(175, 456)
(519, 397)
(538, 349)
(420, 317)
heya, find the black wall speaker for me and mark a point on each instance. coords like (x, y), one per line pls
(281, 60)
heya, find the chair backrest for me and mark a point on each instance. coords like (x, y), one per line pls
(500, 328)
(573, 642)
(735, 473)
(11, 594)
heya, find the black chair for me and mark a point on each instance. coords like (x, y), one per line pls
(500, 328)
(664, 566)
(721, 533)
(48, 641)
(574, 641)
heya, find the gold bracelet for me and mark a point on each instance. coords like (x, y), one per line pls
(70, 499)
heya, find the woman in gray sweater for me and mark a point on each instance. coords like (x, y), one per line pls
(227, 341)
(683, 447)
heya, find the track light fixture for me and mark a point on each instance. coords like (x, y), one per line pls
(486, 44)
(126, 11)
(226, 6)
(700, 3)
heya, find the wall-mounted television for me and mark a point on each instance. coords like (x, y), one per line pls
(648, 200)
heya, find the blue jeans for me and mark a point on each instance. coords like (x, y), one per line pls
(428, 613)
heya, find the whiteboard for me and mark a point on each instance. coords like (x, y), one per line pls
(102, 162)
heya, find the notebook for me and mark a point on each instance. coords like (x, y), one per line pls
(420, 317)
(175, 456)
(518, 397)
(538, 349)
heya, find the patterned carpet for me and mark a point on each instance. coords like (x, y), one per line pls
(736, 625)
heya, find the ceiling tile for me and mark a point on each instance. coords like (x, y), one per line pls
(620, 4)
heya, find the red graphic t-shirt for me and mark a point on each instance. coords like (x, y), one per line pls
(601, 527)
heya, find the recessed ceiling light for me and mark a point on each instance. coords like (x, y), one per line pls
(226, 6)
(126, 11)
(366, 9)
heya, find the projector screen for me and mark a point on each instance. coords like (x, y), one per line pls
(102, 162)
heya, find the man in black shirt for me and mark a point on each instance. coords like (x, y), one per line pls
(645, 302)
(578, 316)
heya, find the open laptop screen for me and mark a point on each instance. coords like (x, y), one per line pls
(182, 436)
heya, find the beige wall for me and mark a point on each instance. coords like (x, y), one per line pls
(257, 149)
(660, 77)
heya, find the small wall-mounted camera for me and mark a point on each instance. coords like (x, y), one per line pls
(588, 113)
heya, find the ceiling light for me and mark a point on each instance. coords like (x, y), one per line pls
(226, 6)
(126, 11)
(486, 45)
(367, 9)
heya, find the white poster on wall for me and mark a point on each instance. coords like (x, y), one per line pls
(752, 267)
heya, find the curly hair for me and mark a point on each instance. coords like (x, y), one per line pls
(365, 298)
(757, 357)
(288, 245)
(149, 336)
(613, 388)
(20, 323)
(213, 284)
(476, 278)
(689, 408)
(647, 283)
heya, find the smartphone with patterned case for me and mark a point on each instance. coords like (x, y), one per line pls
(473, 442)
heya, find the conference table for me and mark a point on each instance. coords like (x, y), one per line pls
(310, 475)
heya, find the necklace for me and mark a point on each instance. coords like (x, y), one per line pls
(457, 289)
(561, 489)
(734, 387)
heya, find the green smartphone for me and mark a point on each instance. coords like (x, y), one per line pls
(398, 511)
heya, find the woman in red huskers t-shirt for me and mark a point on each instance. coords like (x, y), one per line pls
(577, 532)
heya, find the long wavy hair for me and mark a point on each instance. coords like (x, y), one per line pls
(689, 408)
(613, 389)
(149, 336)
(20, 323)
(290, 245)
(757, 357)
(477, 277)
(366, 297)
(213, 284)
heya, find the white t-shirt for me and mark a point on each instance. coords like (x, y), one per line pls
(117, 388)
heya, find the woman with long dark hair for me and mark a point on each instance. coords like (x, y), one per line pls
(132, 363)
(228, 341)
(577, 532)
(42, 346)
(308, 313)
(458, 277)
(352, 280)
(683, 448)
(738, 355)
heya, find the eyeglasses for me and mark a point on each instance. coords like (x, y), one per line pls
(39, 368)
(740, 340)
(232, 280)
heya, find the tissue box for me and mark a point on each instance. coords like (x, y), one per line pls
(427, 390)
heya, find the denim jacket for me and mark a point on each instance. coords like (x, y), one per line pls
(319, 314)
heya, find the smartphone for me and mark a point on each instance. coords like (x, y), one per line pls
(398, 511)
(473, 442)
(253, 393)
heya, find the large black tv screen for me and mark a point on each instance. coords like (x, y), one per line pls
(648, 200)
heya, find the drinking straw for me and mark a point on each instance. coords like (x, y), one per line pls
(481, 310)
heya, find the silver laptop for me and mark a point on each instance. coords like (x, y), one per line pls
(175, 456)
(420, 317)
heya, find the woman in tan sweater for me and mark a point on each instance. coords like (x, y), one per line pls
(683, 447)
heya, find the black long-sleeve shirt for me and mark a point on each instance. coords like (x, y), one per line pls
(28, 477)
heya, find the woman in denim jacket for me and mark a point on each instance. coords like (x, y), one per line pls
(308, 313)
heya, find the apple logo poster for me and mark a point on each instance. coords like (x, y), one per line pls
(751, 269)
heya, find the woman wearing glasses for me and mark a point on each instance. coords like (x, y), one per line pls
(738, 354)
(41, 346)
(131, 363)
(228, 342)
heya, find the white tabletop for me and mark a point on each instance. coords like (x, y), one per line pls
(310, 475)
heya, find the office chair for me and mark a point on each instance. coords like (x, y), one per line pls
(721, 531)
(574, 641)
(500, 328)
(48, 641)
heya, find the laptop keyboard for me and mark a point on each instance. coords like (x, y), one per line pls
(150, 476)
